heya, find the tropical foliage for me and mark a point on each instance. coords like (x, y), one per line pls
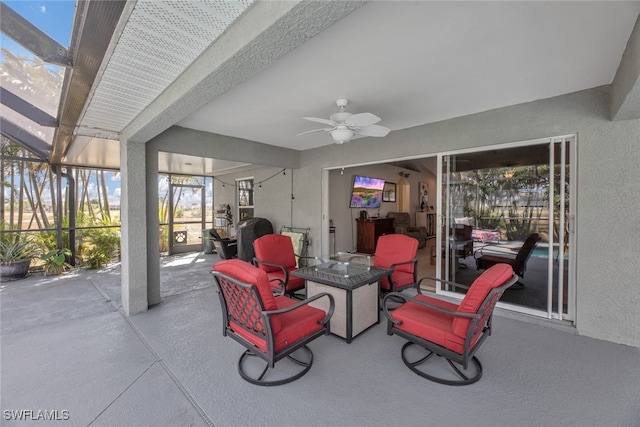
(513, 200)
(55, 261)
(14, 246)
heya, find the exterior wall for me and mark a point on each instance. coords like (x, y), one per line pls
(608, 252)
(271, 198)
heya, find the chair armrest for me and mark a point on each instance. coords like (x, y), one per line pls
(400, 230)
(393, 266)
(283, 287)
(305, 302)
(257, 263)
(478, 253)
(446, 282)
(483, 251)
(411, 261)
(423, 303)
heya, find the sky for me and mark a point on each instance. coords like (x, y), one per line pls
(53, 17)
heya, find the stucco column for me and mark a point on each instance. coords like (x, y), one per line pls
(153, 226)
(134, 219)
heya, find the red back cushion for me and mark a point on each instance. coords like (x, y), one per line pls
(247, 273)
(393, 249)
(494, 277)
(275, 249)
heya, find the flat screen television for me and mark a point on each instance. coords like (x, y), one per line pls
(366, 192)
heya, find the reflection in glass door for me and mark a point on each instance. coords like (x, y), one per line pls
(491, 202)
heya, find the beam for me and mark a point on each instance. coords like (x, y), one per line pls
(32, 38)
(26, 109)
(24, 139)
(625, 89)
(94, 26)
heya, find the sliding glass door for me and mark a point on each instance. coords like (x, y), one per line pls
(511, 203)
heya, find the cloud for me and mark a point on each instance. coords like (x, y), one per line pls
(43, 9)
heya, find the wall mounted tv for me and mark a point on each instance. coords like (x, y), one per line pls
(366, 192)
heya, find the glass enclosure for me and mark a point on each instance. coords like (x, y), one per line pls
(185, 210)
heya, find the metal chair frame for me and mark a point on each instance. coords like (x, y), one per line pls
(261, 328)
(480, 328)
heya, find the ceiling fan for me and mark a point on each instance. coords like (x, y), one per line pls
(344, 125)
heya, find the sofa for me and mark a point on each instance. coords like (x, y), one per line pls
(402, 225)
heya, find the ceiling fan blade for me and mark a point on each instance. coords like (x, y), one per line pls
(373, 130)
(362, 119)
(319, 120)
(315, 130)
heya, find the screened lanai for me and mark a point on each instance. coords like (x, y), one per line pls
(220, 89)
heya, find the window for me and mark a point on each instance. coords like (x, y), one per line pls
(245, 198)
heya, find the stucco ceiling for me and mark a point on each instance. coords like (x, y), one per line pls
(413, 63)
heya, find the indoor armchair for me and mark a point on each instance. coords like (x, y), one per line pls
(402, 225)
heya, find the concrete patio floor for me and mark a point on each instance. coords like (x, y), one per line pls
(66, 348)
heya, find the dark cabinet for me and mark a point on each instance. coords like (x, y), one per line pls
(369, 230)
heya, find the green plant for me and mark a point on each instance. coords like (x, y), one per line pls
(98, 245)
(16, 250)
(55, 261)
(95, 258)
(15, 247)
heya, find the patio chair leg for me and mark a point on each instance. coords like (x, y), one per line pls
(258, 380)
(468, 376)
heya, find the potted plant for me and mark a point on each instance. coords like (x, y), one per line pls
(55, 261)
(16, 253)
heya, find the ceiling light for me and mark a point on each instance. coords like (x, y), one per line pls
(341, 134)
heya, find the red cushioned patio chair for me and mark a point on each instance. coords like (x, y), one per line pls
(275, 256)
(270, 327)
(397, 252)
(451, 331)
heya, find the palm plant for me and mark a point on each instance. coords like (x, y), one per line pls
(14, 247)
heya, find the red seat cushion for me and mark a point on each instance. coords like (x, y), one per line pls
(494, 277)
(445, 329)
(296, 325)
(275, 249)
(247, 273)
(428, 323)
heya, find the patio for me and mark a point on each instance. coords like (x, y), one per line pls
(67, 347)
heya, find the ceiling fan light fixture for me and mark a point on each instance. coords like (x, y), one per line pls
(344, 125)
(341, 136)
